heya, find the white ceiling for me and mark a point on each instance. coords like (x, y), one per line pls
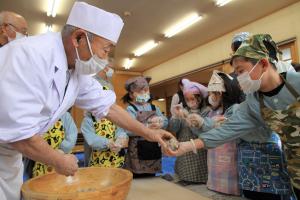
(150, 18)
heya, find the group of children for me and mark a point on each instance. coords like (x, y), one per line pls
(249, 161)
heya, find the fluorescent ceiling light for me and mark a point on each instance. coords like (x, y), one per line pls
(52, 7)
(161, 99)
(220, 3)
(48, 28)
(183, 24)
(145, 48)
(128, 63)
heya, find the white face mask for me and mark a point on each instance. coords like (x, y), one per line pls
(247, 84)
(109, 73)
(91, 66)
(212, 102)
(18, 36)
(143, 98)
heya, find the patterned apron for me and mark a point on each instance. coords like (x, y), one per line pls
(287, 124)
(54, 138)
(190, 167)
(222, 166)
(106, 158)
(143, 157)
(262, 167)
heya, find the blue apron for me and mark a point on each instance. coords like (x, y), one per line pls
(262, 167)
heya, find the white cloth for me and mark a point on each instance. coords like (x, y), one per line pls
(175, 100)
(11, 173)
(32, 85)
(95, 20)
(216, 83)
(283, 66)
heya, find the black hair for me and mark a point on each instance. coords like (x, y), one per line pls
(126, 98)
(202, 99)
(235, 45)
(233, 93)
(180, 84)
(296, 66)
(180, 94)
(271, 49)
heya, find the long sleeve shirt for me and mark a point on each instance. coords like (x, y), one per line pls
(70, 133)
(246, 121)
(95, 141)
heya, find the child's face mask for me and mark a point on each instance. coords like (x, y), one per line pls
(142, 98)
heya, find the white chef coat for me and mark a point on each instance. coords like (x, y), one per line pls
(11, 173)
(32, 86)
(33, 73)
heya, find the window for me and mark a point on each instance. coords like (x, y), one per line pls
(289, 51)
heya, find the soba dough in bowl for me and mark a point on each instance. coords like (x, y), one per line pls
(88, 183)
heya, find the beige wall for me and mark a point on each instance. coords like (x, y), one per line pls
(161, 105)
(282, 25)
(118, 82)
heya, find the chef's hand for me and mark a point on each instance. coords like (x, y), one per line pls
(67, 165)
(159, 136)
(194, 120)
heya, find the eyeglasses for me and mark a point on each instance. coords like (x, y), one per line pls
(21, 30)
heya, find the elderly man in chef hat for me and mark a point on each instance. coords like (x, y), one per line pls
(41, 77)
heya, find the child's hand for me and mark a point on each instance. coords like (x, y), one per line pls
(177, 111)
(183, 148)
(122, 141)
(195, 120)
(219, 120)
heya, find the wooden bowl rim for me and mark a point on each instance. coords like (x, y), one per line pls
(75, 193)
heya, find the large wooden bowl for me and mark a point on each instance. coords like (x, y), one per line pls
(88, 183)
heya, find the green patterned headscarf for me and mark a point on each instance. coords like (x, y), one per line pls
(255, 47)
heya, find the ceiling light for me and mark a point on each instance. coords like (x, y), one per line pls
(145, 48)
(48, 28)
(183, 24)
(220, 3)
(161, 99)
(52, 7)
(128, 63)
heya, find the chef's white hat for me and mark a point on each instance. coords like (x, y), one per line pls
(95, 20)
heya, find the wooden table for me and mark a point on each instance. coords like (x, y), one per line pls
(160, 189)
